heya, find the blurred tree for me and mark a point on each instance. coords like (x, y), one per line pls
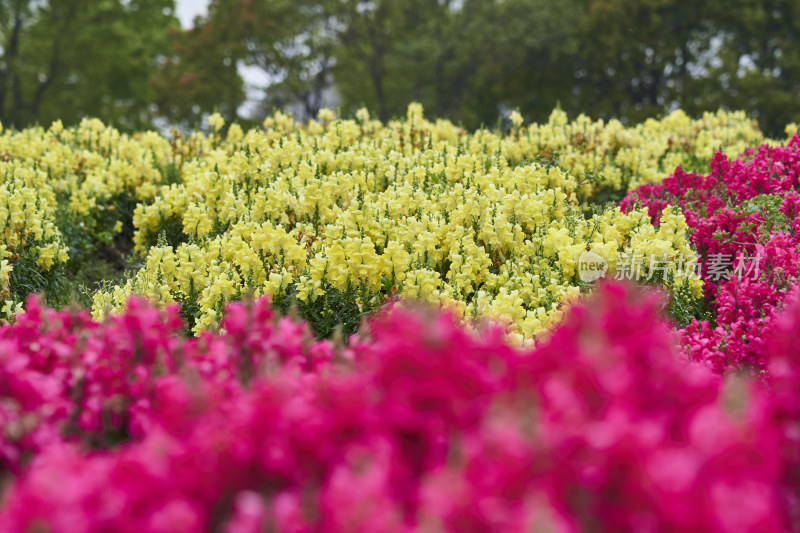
(201, 73)
(128, 62)
(519, 54)
(758, 65)
(636, 57)
(65, 59)
(463, 59)
(292, 42)
(367, 35)
(639, 58)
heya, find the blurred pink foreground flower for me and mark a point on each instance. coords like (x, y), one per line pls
(417, 424)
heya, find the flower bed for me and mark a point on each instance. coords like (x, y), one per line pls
(418, 424)
(743, 209)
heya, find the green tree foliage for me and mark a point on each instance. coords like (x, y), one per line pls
(290, 41)
(637, 56)
(460, 59)
(471, 60)
(200, 73)
(65, 59)
(468, 60)
(640, 57)
(759, 62)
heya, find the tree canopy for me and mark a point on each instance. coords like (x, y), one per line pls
(65, 59)
(129, 62)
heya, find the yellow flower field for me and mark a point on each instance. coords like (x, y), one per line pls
(336, 214)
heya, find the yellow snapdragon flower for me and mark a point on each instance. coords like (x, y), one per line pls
(489, 223)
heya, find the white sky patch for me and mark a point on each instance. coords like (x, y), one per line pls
(255, 80)
(187, 10)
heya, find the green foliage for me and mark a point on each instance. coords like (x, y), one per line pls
(335, 311)
(65, 59)
(683, 307)
(97, 254)
(170, 233)
(170, 173)
(462, 60)
(190, 308)
(27, 279)
(199, 73)
(768, 206)
(471, 61)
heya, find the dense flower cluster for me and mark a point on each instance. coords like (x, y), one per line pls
(62, 182)
(63, 376)
(417, 424)
(490, 225)
(487, 222)
(747, 207)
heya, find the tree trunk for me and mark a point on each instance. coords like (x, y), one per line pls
(11, 51)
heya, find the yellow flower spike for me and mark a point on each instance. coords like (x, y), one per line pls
(216, 122)
(362, 115)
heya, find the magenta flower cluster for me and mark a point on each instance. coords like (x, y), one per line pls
(748, 207)
(417, 424)
(66, 378)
